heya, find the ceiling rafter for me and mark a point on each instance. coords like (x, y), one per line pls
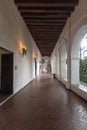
(43, 11)
(62, 4)
(45, 20)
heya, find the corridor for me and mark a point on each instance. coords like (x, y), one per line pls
(44, 104)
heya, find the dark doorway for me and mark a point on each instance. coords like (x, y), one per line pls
(35, 67)
(6, 66)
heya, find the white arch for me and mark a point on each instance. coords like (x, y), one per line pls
(75, 56)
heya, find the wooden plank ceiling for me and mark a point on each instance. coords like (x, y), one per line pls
(45, 20)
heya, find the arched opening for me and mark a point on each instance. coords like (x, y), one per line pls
(57, 64)
(77, 56)
(83, 60)
(64, 63)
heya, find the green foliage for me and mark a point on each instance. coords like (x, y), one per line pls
(83, 70)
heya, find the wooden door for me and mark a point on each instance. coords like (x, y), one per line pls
(7, 73)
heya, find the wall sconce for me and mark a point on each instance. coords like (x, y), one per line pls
(24, 50)
(34, 58)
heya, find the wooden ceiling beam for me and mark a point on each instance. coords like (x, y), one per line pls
(45, 30)
(42, 30)
(52, 43)
(60, 4)
(45, 40)
(45, 27)
(48, 39)
(43, 11)
(48, 49)
(48, 32)
(56, 34)
(45, 1)
(46, 16)
(48, 29)
(46, 35)
(28, 18)
(46, 45)
(43, 36)
(45, 21)
(51, 46)
(53, 33)
(44, 48)
(70, 9)
(46, 24)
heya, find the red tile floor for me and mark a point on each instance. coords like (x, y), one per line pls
(44, 104)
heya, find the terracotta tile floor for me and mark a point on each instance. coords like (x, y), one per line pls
(44, 105)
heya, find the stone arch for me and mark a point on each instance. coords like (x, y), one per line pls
(75, 55)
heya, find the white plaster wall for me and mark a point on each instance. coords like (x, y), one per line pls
(63, 63)
(54, 63)
(13, 35)
(75, 55)
(73, 32)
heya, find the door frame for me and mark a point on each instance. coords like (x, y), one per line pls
(10, 52)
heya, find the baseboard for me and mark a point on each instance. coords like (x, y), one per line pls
(15, 93)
